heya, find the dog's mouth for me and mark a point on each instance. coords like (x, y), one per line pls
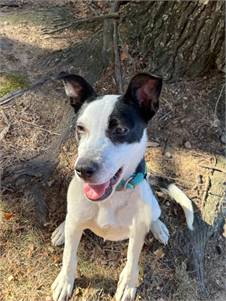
(99, 192)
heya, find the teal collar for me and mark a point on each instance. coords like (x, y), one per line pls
(135, 179)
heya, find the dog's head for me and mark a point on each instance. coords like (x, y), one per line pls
(111, 131)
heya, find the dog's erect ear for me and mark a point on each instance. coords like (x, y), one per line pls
(144, 89)
(77, 88)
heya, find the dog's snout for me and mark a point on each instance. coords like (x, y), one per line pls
(86, 168)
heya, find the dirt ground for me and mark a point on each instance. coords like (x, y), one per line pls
(185, 139)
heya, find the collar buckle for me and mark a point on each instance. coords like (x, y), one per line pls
(128, 184)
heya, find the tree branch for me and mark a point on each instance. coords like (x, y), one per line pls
(80, 21)
(118, 68)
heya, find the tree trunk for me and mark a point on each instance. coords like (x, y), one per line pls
(176, 39)
(209, 221)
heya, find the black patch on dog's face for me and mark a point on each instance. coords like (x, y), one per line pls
(134, 109)
(125, 123)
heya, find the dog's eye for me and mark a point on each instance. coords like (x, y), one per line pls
(121, 131)
(80, 129)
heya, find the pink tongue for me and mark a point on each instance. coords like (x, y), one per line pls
(95, 192)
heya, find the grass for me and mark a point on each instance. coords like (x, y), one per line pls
(11, 82)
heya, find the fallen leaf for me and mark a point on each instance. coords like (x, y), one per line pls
(8, 215)
(159, 253)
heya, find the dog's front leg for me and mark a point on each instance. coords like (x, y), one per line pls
(128, 279)
(64, 283)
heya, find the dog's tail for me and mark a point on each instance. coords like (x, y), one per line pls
(178, 195)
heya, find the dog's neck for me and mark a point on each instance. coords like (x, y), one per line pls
(134, 179)
(136, 162)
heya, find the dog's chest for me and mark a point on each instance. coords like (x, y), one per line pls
(114, 218)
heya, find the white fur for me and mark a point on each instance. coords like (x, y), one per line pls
(180, 197)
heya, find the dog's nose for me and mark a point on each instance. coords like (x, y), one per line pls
(86, 168)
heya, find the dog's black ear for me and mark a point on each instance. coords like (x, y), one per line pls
(77, 88)
(144, 89)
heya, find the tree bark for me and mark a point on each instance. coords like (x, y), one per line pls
(209, 221)
(176, 39)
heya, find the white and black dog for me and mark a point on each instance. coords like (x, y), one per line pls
(109, 193)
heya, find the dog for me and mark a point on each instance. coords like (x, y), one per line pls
(110, 193)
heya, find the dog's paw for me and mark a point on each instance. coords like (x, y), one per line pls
(126, 289)
(62, 287)
(160, 231)
(125, 293)
(57, 237)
